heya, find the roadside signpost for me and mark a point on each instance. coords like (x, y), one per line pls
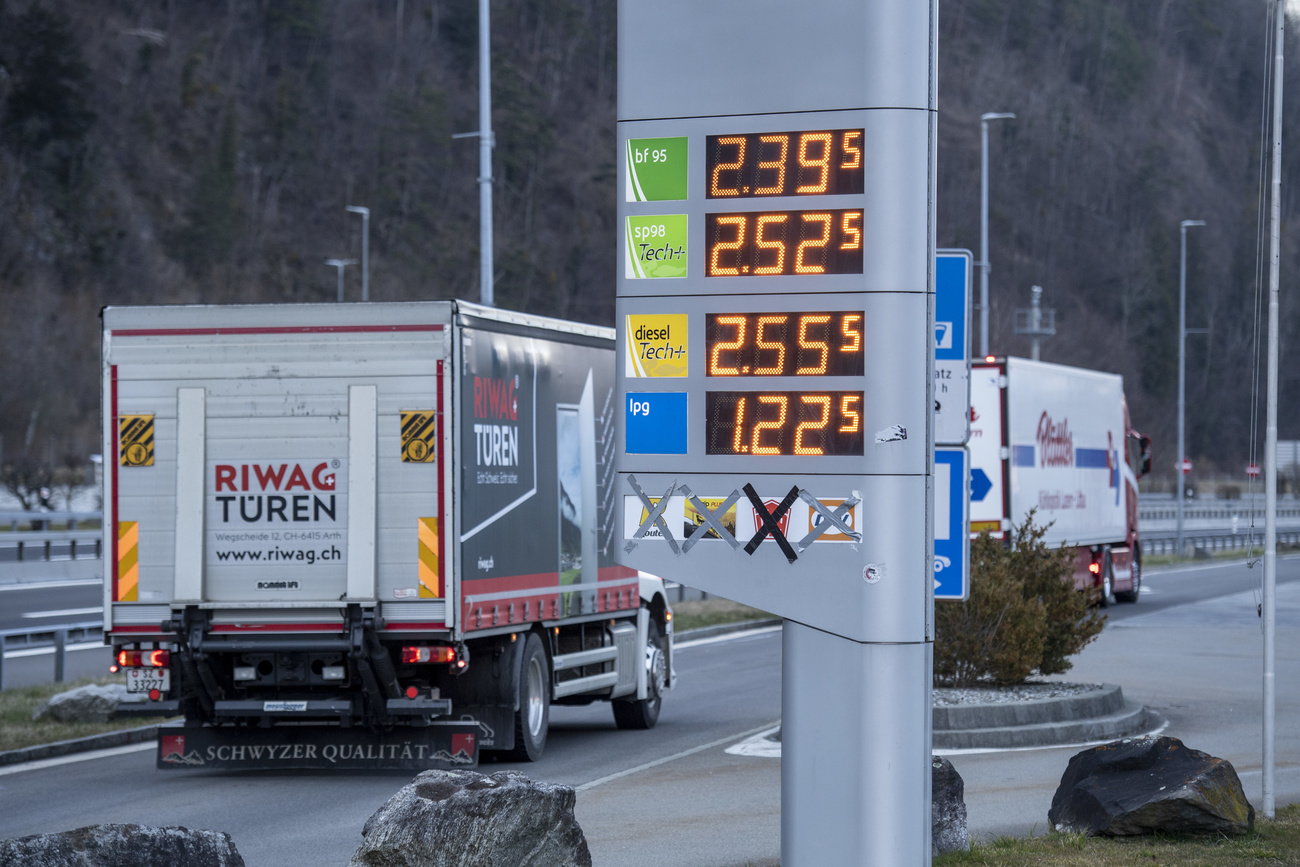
(775, 401)
(951, 523)
(1185, 465)
(952, 283)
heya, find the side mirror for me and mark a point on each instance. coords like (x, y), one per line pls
(1145, 444)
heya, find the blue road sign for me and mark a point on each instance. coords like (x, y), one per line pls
(951, 539)
(952, 280)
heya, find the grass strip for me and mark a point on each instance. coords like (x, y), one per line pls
(711, 612)
(1273, 843)
(18, 729)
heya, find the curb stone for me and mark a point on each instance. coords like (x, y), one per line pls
(142, 734)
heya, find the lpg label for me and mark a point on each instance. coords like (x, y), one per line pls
(656, 345)
(656, 423)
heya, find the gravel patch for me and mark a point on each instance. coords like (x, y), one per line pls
(949, 696)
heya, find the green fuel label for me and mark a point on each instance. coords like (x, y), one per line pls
(656, 170)
(656, 247)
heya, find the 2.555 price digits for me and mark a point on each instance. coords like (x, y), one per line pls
(783, 423)
(784, 344)
(765, 243)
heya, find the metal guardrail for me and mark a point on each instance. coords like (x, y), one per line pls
(39, 541)
(42, 636)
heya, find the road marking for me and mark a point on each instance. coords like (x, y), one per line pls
(78, 757)
(760, 746)
(666, 759)
(66, 612)
(731, 636)
(51, 585)
(46, 651)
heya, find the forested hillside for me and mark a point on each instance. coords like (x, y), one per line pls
(160, 151)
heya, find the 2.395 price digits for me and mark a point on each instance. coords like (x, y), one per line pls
(783, 423)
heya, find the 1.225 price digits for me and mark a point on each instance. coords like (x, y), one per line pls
(763, 243)
(783, 423)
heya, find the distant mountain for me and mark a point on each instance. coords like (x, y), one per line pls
(203, 152)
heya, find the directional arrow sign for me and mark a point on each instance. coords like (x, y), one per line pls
(980, 485)
(951, 520)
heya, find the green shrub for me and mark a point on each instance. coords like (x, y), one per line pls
(1023, 615)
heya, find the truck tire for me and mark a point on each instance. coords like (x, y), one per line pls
(532, 719)
(1132, 595)
(644, 713)
(1107, 598)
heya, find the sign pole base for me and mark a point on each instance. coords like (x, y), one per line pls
(855, 751)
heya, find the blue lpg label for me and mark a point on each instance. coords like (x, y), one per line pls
(656, 423)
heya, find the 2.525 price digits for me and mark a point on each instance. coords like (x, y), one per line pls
(783, 423)
(762, 243)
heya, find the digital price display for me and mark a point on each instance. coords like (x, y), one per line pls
(783, 422)
(784, 344)
(825, 162)
(761, 243)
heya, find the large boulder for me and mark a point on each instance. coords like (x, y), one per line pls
(455, 818)
(86, 704)
(948, 832)
(122, 846)
(1143, 785)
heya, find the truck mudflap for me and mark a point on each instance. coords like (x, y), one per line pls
(441, 745)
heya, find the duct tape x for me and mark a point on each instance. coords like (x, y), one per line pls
(771, 522)
(830, 520)
(710, 520)
(654, 516)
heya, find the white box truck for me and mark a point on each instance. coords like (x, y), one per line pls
(1057, 440)
(368, 535)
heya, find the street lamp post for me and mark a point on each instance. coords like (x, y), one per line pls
(365, 248)
(984, 224)
(1182, 365)
(340, 264)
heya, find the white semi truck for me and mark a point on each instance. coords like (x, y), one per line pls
(368, 535)
(1057, 440)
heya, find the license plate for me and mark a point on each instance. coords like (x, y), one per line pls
(145, 679)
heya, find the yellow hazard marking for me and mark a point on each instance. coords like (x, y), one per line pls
(430, 582)
(135, 440)
(128, 561)
(419, 436)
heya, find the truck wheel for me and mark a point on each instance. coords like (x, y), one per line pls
(644, 713)
(1132, 595)
(533, 717)
(1107, 582)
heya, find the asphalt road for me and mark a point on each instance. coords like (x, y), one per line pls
(36, 606)
(675, 796)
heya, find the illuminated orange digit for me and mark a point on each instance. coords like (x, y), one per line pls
(852, 332)
(714, 189)
(852, 153)
(822, 163)
(778, 345)
(715, 369)
(819, 345)
(736, 445)
(737, 220)
(824, 401)
(853, 417)
(772, 400)
(778, 164)
(763, 244)
(800, 266)
(851, 230)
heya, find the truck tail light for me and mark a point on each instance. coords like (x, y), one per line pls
(144, 658)
(1094, 568)
(412, 655)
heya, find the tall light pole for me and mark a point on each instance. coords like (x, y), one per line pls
(486, 141)
(340, 264)
(365, 248)
(1182, 369)
(984, 224)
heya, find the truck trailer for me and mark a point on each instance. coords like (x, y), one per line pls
(368, 535)
(1057, 441)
